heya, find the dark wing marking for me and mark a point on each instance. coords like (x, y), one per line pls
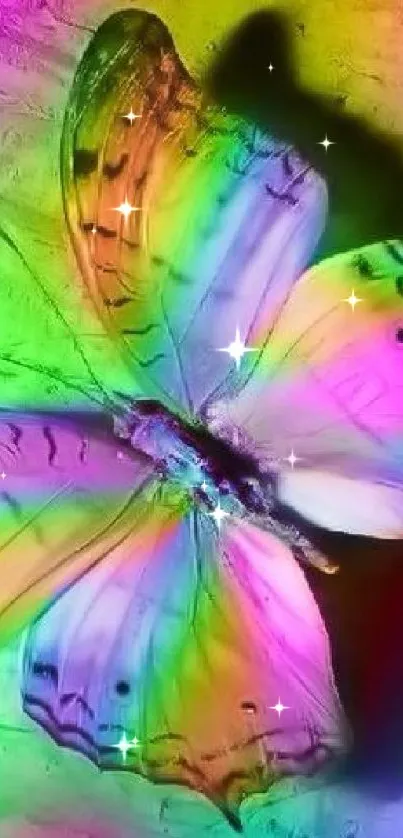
(188, 246)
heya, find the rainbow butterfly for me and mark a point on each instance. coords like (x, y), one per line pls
(168, 636)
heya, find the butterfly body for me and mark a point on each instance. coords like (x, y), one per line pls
(191, 454)
(207, 467)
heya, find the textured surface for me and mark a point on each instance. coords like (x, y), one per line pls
(355, 55)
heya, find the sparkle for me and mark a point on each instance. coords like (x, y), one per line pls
(326, 143)
(352, 300)
(132, 116)
(124, 746)
(270, 67)
(135, 742)
(279, 707)
(126, 209)
(292, 459)
(204, 486)
(94, 230)
(3, 475)
(119, 455)
(237, 349)
(219, 514)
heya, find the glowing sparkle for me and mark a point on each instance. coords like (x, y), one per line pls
(124, 746)
(270, 67)
(237, 349)
(279, 707)
(94, 230)
(126, 209)
(3, 475)
(219, 514)
(292, 459)
(135, 742)
(352, 300)
(326, 143)
(204, 486)
(132, 116)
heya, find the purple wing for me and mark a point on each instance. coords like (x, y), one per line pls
(329, 388)
(66, 486)
(215, 212)
(168, 659)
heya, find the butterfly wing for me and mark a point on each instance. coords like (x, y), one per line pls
(218, 210)
(179, 647)
(328, 387)
(66, 490)
(54, 353)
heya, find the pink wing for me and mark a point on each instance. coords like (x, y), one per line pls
(180, 646)
(66, 490)
(328, 387)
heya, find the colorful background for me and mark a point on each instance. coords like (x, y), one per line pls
(350, 52)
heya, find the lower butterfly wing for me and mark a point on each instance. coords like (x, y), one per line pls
(66, 486)
(324, 404)
(169, 659)
(180, 215)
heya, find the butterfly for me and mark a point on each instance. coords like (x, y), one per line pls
(154, 522)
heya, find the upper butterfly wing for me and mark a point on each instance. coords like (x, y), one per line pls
(328, 386)
(181, 216)
(53, 350)
(66, 490)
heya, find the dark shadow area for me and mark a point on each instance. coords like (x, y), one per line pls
(363, 170)
(363, 610)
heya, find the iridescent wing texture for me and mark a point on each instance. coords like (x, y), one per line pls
(166, 635)
(54, 352)
(67, 491)
(203, 634)
(145, 610)
(220, 211)
(329, 386)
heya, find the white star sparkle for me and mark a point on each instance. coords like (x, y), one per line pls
(126, 209)
(132, 116)
(237, 349)
(3, 475)
(204, 486)
(292, 459)
(326, 143)
(270, 67)
(352, 300)
(124, 746)
(94, 230)
(219, 514)
(279, 707)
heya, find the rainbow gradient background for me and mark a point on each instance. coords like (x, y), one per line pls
(342, 49)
